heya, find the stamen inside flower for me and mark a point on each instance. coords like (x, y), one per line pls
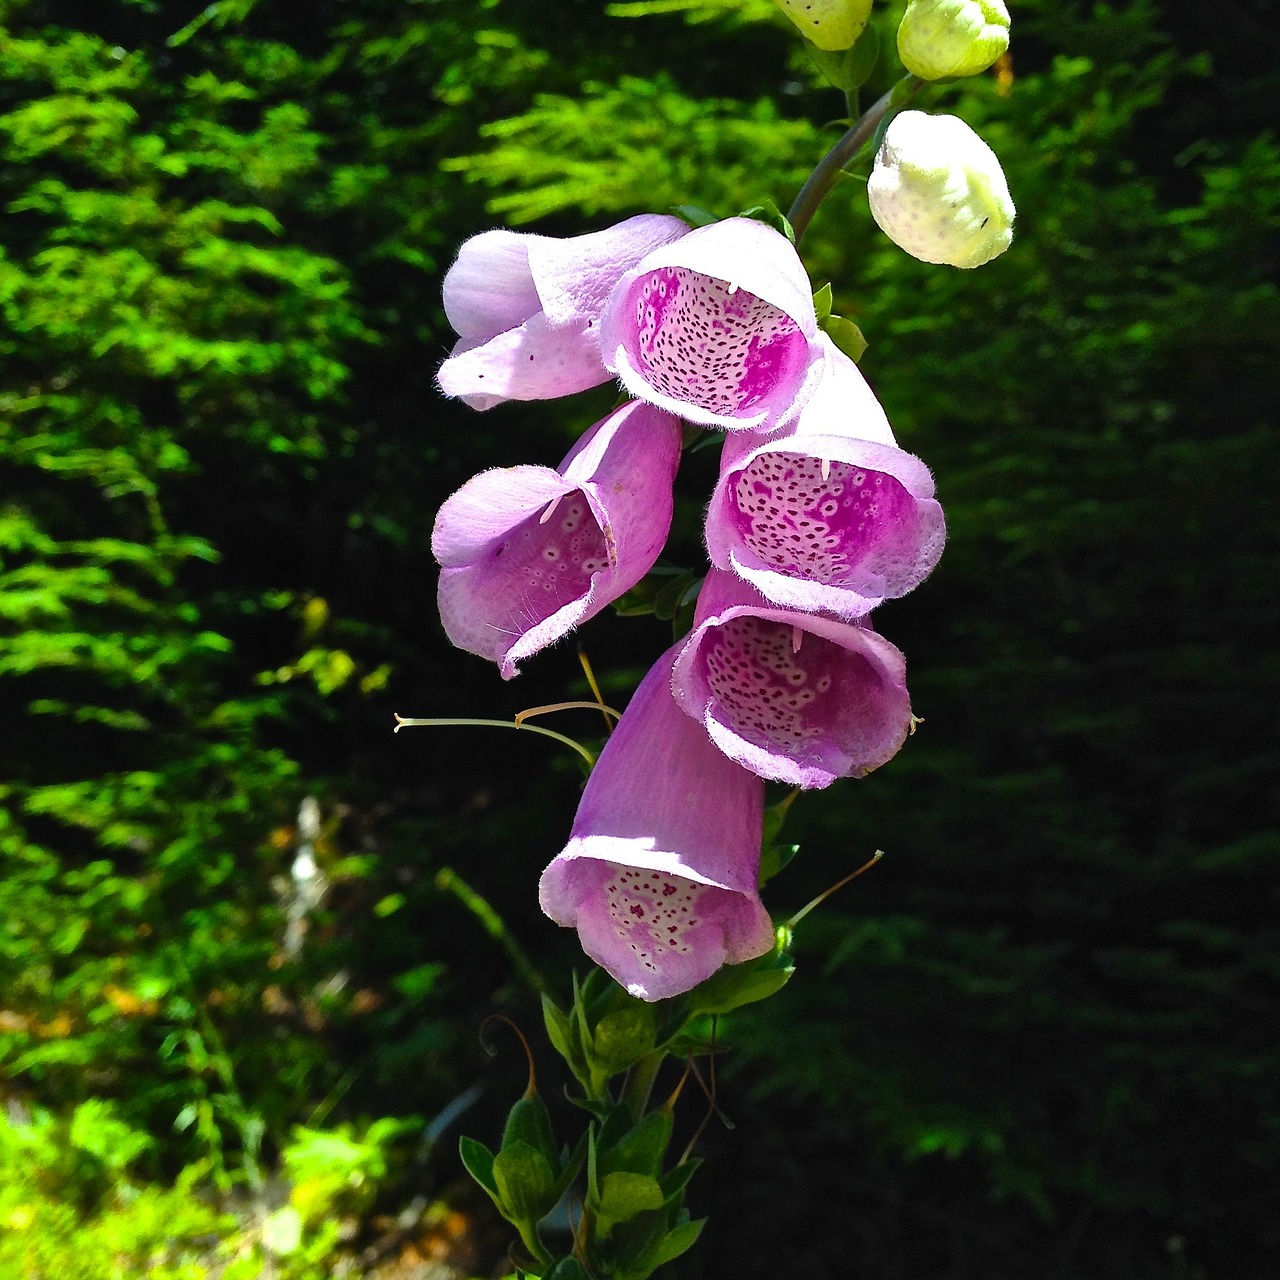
(553, 556)
(773, 693)
(652, 912)
(705, 342)
(816, 519)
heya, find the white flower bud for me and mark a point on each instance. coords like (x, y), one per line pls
(830, 24)
(939, 38)
(937, 191)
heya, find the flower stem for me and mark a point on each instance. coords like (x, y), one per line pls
(409, 722)
(824, 176)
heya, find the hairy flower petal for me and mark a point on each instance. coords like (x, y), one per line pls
(660, 873)
(527, 309)
(828, 515)
(528, 553)
(792, 696)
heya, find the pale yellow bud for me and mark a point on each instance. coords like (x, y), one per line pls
(940, 38)
(830, 24)
(937, 191)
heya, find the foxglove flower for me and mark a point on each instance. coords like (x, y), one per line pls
(527, 309)
(660, 873)
(792, 696)
(718, 327)
(829, 515)
(528, 553)
(937, 191)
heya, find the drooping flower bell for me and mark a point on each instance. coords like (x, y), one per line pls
(528, 553)
(527, 309)
(937, 191)
(792, 696)
(660, 873)
(828, 515)
(718, 327)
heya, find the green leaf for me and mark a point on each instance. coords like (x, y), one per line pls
(822, 302)
(846, 335)
(623, 1196)
(526, 1183)
(529, 1122)
(678, 1241)
(641, 1149)
(477, 1159)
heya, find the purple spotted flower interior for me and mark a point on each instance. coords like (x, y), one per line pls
(701, 341)
(775, 684)
(652, 912)
(803, 522)
(553, 555)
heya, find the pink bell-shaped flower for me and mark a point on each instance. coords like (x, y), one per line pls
(829, 515)
(527, 309)
(660, 873)
(792, 696)
(528, 553)
(718, 327)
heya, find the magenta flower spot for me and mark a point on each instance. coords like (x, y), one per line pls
(527, 309)
(792, 696)
(660, 873)
(718, 327)
(830, 515)
(528, 553)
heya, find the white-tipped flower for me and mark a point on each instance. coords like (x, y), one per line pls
(937, 191)
(940, 38)
(830, 24)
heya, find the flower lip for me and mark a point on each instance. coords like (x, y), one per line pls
(527, 309)
(828, 515)
(528, 553)
(718, 327)
(660, 874)
(795, 697)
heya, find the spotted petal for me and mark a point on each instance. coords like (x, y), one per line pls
(528, 553)
(718, 327)
(660, 873)
(791, 696)
(828, 515)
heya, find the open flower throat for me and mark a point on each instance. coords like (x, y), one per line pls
(772, 680)
(709, 343)
(549, 559)
(652, 912)
(816, 519)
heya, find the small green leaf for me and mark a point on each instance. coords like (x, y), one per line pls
(694, 215)
(624, 1195)
(769, 213)
(641, 1149)
(526, 1183)
(773, 858)
(622, 1038)
(846, 335)
(822, 302)
(679, 1241)
(477, 1159)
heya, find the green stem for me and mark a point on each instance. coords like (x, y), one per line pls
(403, 722)
(529, 1235)
(450, 881)
(640, 1084)
(824, 176)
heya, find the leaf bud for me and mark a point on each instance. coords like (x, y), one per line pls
(937, 191)
(938, 39)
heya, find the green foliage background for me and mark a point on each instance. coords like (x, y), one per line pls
(1040, 1040)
